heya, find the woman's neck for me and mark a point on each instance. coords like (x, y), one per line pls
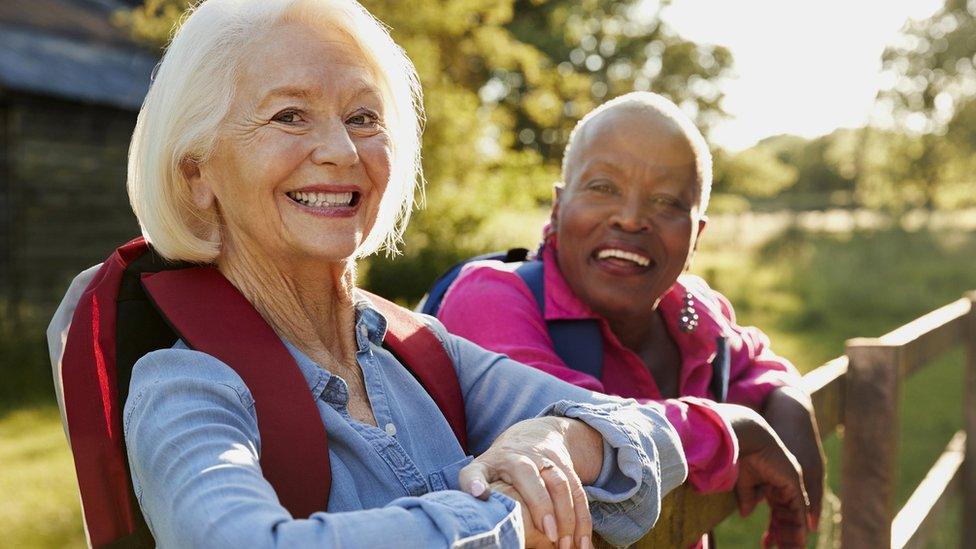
(307, 303)
(637, 332)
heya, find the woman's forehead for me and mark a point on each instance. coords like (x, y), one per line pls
(295, 59)
(629, 142)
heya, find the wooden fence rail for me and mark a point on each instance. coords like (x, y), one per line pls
(861, 393)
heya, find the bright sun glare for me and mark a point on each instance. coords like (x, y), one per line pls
(802, 67)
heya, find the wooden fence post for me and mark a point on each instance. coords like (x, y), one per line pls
(870, 442)
(969, 410)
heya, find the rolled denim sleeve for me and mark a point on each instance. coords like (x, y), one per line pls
(194, 446)
(643, 455)
(640, 465)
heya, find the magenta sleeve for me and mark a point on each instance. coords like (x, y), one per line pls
(755, 370)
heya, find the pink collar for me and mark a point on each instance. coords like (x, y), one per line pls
(697, 347)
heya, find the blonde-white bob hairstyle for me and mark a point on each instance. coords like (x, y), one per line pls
(658, 104)
(191, 94)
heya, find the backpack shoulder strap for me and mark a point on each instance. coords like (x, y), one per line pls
(424, 356)
(93, 410)
(212, 316)
(431, 302)
(578, 342)
(721, 364)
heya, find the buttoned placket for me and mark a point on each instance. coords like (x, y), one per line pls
(383, 437)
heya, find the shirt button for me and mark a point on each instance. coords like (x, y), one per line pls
(390, 429)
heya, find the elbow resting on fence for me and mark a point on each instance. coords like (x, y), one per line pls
(859, 393)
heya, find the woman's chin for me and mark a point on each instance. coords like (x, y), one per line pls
(325, 252)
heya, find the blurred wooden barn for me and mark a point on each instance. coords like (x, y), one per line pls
(71, 83)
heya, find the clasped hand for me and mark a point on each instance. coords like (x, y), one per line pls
(767, 470)
(542, 463)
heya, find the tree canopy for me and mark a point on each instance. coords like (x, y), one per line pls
(504, 82)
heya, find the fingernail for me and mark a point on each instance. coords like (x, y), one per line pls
(477, 488)
(565, 542)
(585, 542)
(549, 525)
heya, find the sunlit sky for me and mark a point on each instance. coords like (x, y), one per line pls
(803, 67)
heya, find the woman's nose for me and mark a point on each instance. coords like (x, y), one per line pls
(631, 218)
(335, 147)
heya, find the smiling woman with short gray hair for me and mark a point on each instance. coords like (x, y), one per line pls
(627, 219)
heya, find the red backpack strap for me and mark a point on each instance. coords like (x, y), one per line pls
(92, 408)
(212, 316)
(423, 354)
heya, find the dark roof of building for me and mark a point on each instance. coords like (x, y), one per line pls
(71, 49)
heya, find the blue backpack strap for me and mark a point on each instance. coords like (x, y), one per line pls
(431, 303)
(721, 366)
(578, 343)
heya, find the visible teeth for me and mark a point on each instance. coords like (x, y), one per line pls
(626, 256)
(318, 199)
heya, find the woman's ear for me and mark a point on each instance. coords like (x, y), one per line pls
(200, 191)
(702, 223)
(558, 189)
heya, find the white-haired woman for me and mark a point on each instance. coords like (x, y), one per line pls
(280, 142)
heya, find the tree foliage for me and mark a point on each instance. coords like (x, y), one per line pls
(504, 82)
(932, 95)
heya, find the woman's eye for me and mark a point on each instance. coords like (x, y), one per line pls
(287, 117)
(601, 186)
(669, 203)
(364, 119)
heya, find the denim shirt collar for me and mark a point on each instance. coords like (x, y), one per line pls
(370, 328)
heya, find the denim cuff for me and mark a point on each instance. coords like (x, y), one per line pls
(509, 532)
(447, 478)
(640, 465)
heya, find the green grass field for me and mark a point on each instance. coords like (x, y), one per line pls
(809, 290)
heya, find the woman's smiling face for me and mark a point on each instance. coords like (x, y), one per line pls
(627, 220)
(303, 156)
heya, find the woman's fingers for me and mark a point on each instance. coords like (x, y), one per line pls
(787, 528)
(474, 479)
(747, 491)
(523, 474)
(813, 476)
(561, 495)
(788, 503)
(584, 522)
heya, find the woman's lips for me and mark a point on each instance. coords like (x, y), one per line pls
(622, 262)
(326, 204)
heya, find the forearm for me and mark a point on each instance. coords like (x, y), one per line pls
(584, 444)
(709, 443)
(789, 411)
(196, 471)
(788, 401)
(437, 519)
(643, 462)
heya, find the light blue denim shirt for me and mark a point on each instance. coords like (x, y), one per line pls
(193, 447)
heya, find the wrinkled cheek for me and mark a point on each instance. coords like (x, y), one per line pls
(377, 157)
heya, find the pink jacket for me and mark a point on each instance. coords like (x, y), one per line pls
(490, 305)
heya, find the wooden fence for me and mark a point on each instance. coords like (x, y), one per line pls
(860, 392)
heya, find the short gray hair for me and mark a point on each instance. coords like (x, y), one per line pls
(672, 112)
(192, 92)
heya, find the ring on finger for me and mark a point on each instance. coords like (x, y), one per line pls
(546, 465)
